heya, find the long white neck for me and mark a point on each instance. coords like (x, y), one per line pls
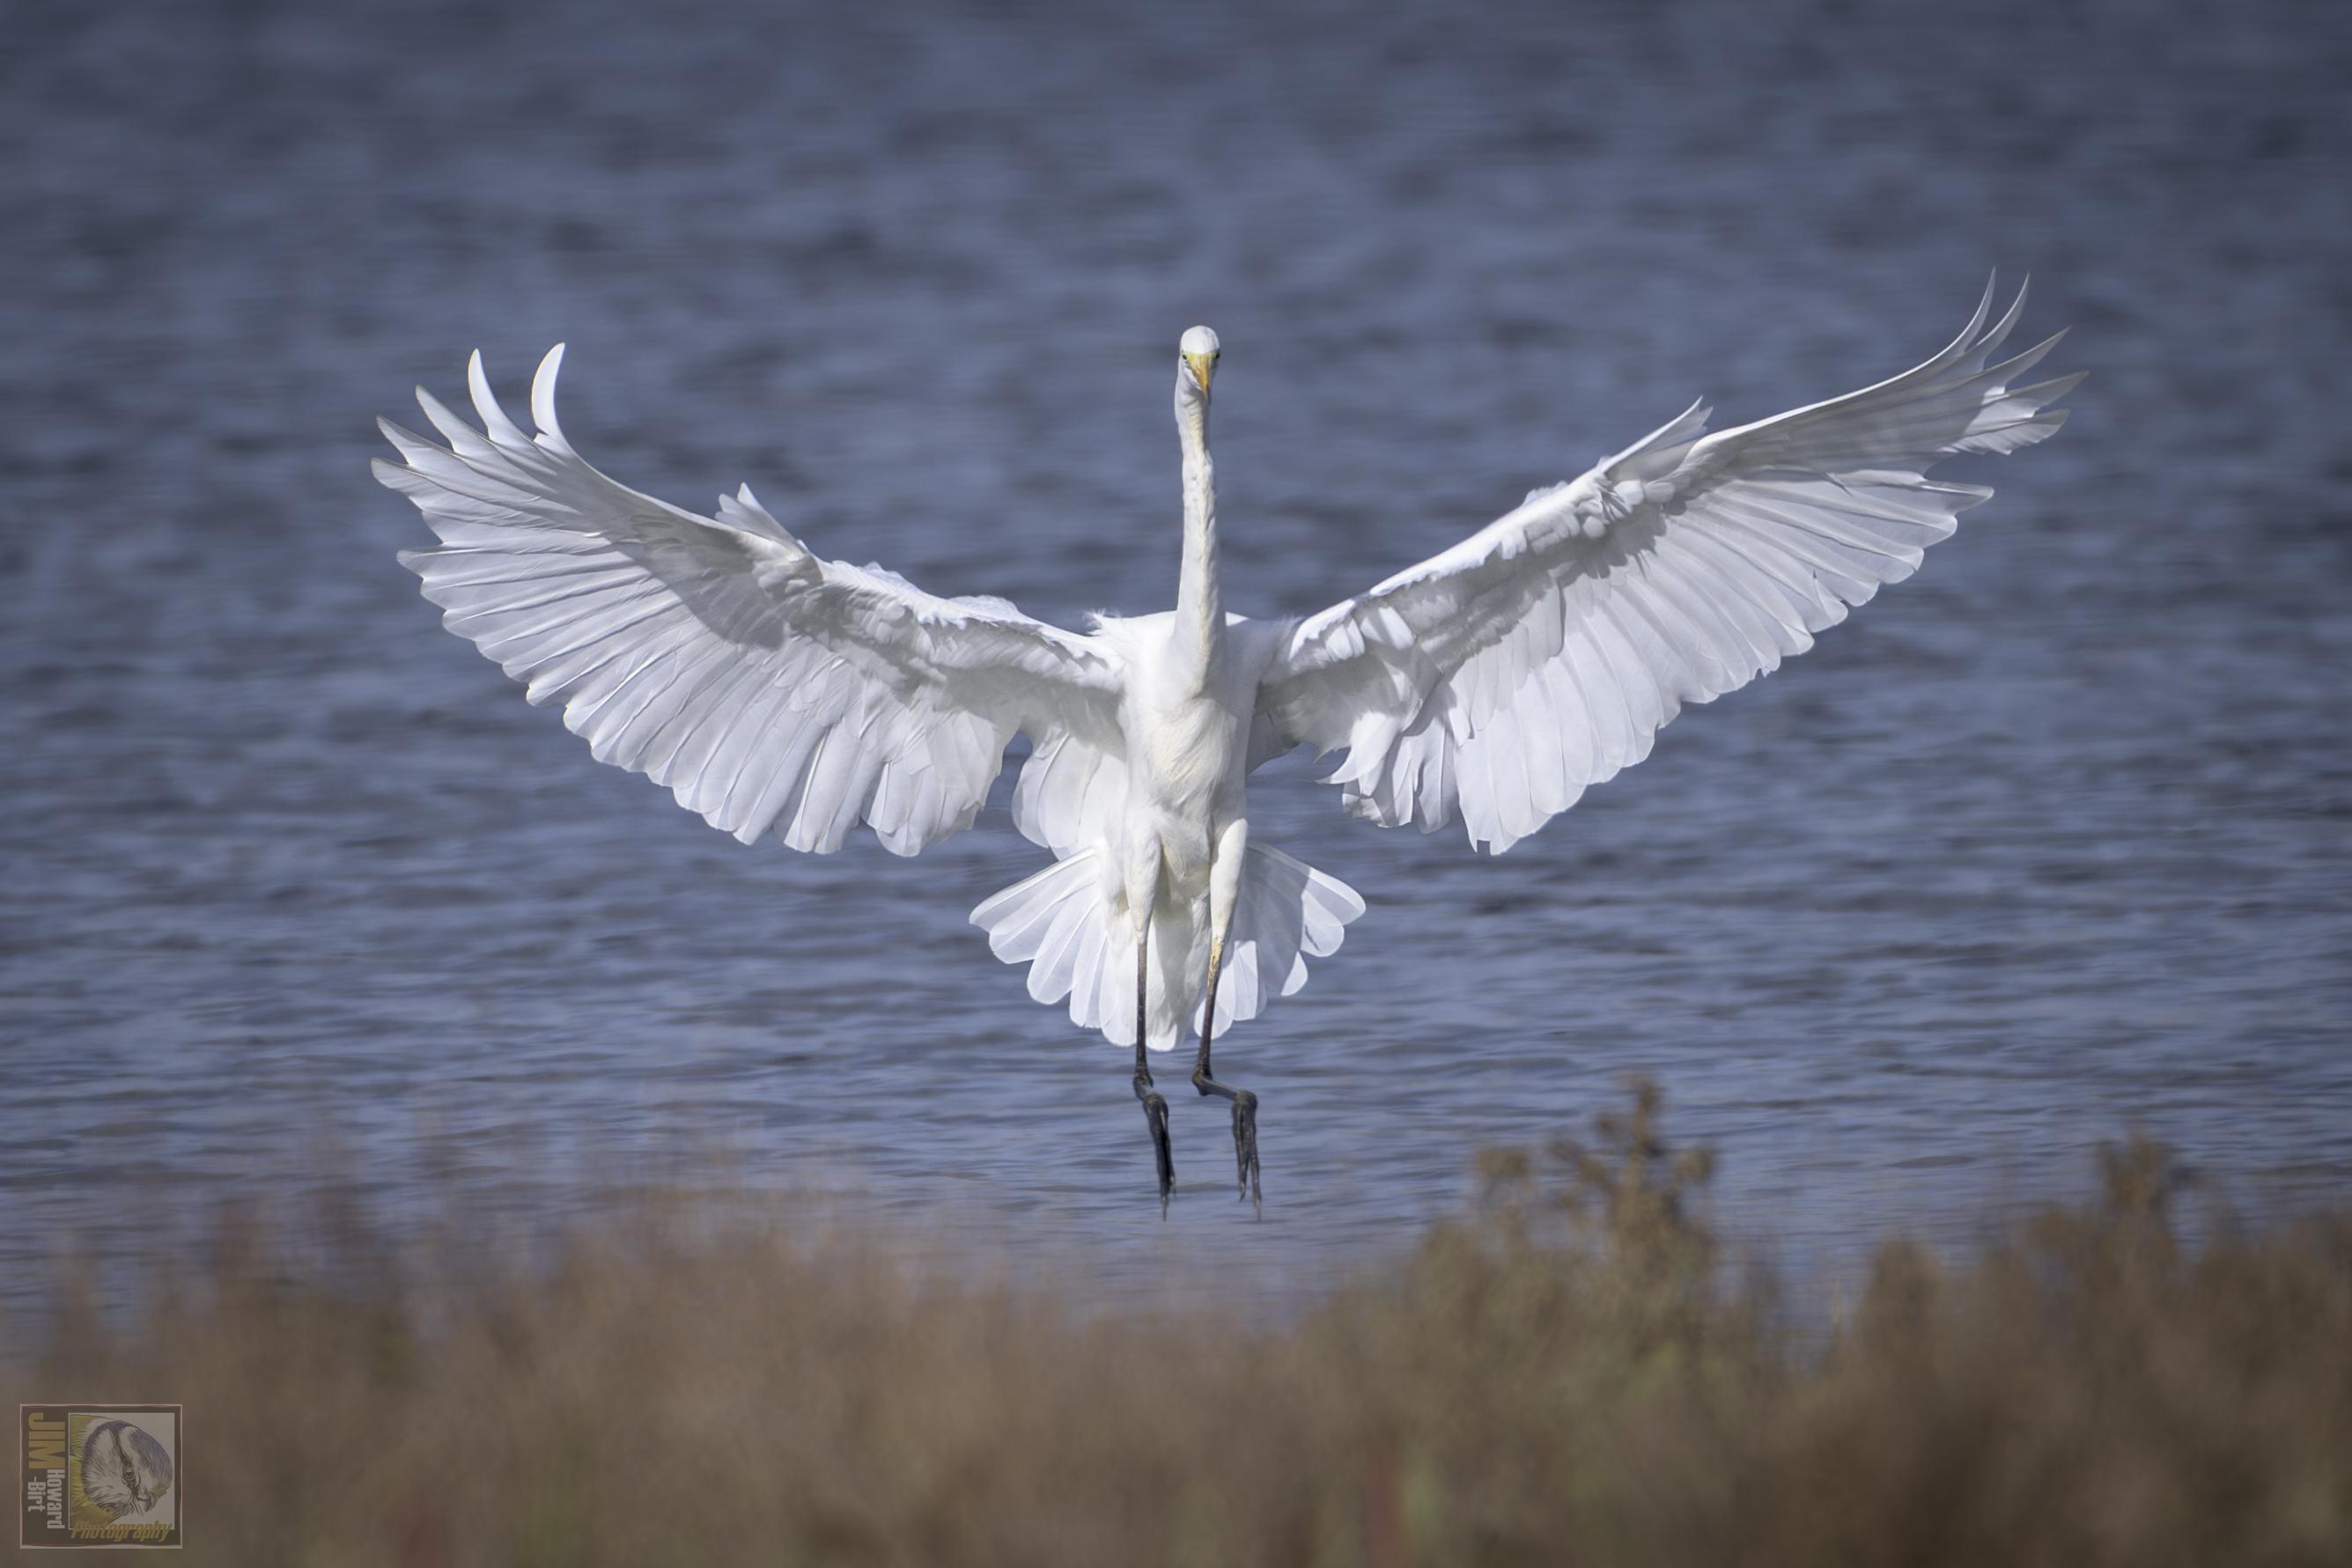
(1200, 610)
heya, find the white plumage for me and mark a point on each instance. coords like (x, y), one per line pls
(767, 689)
(771, 691)
(1540, 655)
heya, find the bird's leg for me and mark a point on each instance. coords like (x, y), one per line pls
(1226, 861)
(1245, 1170)
(1155, 1108)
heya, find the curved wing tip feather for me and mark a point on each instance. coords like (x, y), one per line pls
(403, 439)
(542, 397)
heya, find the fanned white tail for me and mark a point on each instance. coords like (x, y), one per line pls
(1069, 924)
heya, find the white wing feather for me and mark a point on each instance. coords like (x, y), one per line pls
(766, 688)
(1540, 656)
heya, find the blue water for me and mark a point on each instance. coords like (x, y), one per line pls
(2047, 842)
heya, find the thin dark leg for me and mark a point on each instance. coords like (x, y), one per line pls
(1155, 1109)
(1244, 1103)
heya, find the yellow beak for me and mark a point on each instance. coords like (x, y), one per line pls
(1203, 367)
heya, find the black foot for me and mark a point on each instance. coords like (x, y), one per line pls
(1246, 1147)
(1245, 1131)
(1155, 1116)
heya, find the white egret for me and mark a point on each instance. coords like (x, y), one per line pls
(774, 691)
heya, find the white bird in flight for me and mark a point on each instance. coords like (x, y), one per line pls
(774, 691)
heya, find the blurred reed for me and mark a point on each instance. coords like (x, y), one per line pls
(1570, 1373)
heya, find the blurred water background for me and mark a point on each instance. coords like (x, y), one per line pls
(2048, 840)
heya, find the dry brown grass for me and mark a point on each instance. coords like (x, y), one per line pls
(1568, 1374)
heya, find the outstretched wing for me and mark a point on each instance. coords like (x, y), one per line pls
(766, 688)
(1541, 655)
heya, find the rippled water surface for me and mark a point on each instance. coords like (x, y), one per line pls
(2048, 841)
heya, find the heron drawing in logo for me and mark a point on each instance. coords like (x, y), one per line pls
(124, 1470)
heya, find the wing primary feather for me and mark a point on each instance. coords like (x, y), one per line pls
(719, 656)
(542, 400)
(1579, 624)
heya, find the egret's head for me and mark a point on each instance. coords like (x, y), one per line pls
(1196, 356)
